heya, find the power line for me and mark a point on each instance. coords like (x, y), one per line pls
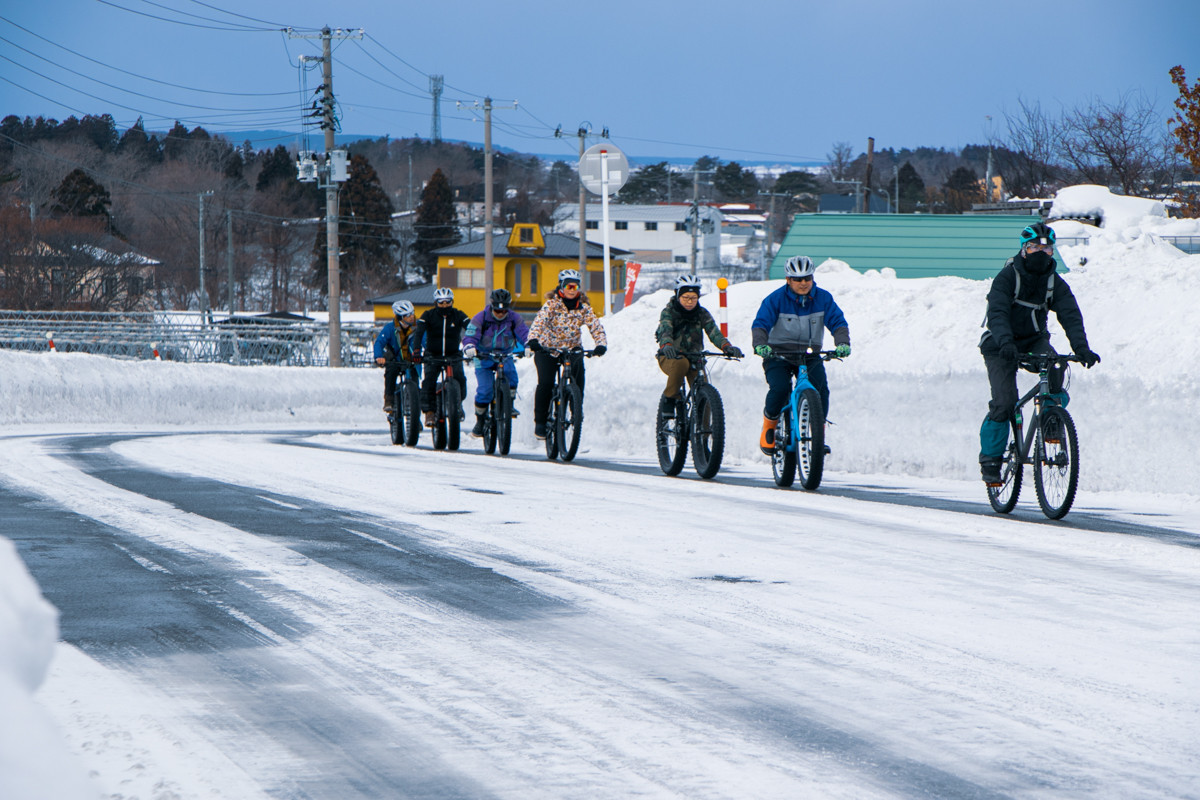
(221, 27)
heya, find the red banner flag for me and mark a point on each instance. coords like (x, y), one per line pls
(632, 268)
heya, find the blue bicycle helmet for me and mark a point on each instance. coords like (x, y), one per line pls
(1037, 233)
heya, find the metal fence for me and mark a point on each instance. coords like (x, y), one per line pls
(1188, 244)
(180, 336)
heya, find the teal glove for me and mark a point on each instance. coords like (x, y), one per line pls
(764, 350)
(842, 350)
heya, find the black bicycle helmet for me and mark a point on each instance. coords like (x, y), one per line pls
(501, 300)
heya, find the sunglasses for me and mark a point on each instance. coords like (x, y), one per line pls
(444, 302)
(805, 279)
(570, 287)
(1039, 248)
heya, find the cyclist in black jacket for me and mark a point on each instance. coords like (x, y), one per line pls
(1022, 295)
(439, 333)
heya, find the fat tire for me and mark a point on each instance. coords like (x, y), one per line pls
(570, 423)
(503, 408)
(810, 431)
(412, 412)
(671, 439)
(552, 425)
(1004, 497)
(396, 418)
(453, 398)
(708, 432)
(439, 422)
(1056, 464)
(783, 460)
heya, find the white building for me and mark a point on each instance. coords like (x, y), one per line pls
(654, 234)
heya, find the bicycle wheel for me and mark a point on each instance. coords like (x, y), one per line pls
(1056, 462)
(1004, 497)
(556, 403)
(396, 418)
(453, 399)
(670, 434)
(503, 407)
(412, 412)
(810, 432)
(783, 459)
(570, 420)
(489, 425)
(439, 425)
(708, 432)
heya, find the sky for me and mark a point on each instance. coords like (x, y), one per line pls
(779, 81)
(865, 618)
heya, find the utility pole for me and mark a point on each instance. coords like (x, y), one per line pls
(202, 297)
(768, 252)
(229, 253)
(870, 168)
(435, 88)
(488, 191)
(329, 124)
(695, 215)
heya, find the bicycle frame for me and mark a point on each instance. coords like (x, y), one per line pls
(1038, 394)
(801, 383)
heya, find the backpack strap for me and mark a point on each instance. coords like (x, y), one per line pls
(1033, 307)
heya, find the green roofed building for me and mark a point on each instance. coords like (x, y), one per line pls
(914, 245)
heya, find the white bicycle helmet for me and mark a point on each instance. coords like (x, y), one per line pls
(799, 267)
(402, 308)
(687, 283)
(569, 276)
(443, 294)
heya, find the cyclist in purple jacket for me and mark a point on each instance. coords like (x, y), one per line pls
(497, 329)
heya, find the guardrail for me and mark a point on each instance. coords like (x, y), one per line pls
(174, 336)
(1188, 244)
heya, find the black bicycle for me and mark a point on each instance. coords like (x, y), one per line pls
(405, 417)
(565, 416)
(447, 404)
(1052, 439)
(800, 435)
(497, 422)
(699, 420)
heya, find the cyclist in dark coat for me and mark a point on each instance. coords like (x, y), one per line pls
(1018, 305)
(439, 333)
(393, 351)
(682, 326)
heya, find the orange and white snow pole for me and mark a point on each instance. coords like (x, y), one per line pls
(154, 348)
(50, 339)
(723, 314)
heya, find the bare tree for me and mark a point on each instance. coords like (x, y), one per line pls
(840, 159)
(1029, 164)
(1121, 143)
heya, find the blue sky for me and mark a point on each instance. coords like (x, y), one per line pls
(777, 80)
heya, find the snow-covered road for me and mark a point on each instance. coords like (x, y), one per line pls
(323, 615)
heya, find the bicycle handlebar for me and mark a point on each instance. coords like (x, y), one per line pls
(1041, 361)
(709, 353)
(569, 352)
(825, 355)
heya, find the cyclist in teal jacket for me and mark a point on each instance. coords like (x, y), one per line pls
(791, 320)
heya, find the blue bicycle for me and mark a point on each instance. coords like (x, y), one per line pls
(800, 436)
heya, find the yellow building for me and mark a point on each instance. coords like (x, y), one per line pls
(526, 263)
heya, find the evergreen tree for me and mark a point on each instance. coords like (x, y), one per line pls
(365, 235)
(650, 184)
(437, 223)
(176, 142)
(79, 195)
(912, 189)
(961, 190)
(137, 145)
(734, 183)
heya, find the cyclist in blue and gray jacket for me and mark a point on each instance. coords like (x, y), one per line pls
(496, 329)
(393, 349)
(791, 319)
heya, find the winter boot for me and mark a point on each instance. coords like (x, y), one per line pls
(989, 470)
(539, 430)
(666, 407)
(430, 419)
(766, 442)
(480, 415)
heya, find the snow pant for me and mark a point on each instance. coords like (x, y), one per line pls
(429, 385)
(779, 375)
(391, 371)
(676, 370)
(485, 379)
(547, 368)
(1002, 379)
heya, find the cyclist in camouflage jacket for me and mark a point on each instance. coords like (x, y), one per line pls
(681, 329)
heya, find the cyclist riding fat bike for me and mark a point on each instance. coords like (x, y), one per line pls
(495, 329)
(393, 349)
(557, 327)
(791, 319)
(681, 329)
(1018, 305)
(438, 334)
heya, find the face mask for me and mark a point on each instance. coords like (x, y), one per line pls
(1039, 262)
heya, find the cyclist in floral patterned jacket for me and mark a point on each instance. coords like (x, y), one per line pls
(557, 327)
